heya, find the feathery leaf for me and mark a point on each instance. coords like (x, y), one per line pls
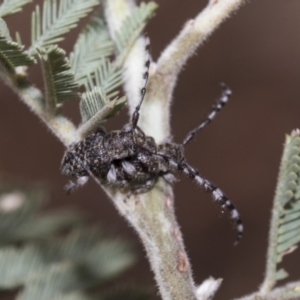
(48, 267)
(18, 265)
(56, 20)
(16, 209)
(96, 108)
(4, 31)
(81, 260)
(58, 279)
(47, 224)
(60, 84)
(285, 224)
(19, 221)
(131, 28)
(9, 7)
(104, 257)
(93, 45)
(12, 56)
(106, 76)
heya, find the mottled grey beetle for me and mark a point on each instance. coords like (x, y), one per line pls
(133, 162)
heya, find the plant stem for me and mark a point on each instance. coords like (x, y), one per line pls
(152, 214)
(60, 126)
(287, 292)
(173, 58)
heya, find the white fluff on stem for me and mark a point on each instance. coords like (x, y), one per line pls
(208, 288)
(116, 11)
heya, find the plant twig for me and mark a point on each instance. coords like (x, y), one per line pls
(173, 58)
(152, 214)
(287, 292)
(60, 126)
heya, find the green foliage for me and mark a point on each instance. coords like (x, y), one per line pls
(96, 104)
(285, 225)
(20, 220)
(99, 102)
(12, 54)
(101, 77)
(60, 84)
(57, 20)
(4, 30)
(90, 60)
(106, 76)
(93, 46)
(96, 108)
(51, 266)
(93, 68)
(131, 28)
(9, 7)
(90, 57)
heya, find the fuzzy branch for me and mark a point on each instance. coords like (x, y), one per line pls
(60, 126)
(152, 214)
(173, 58)
(287, 292)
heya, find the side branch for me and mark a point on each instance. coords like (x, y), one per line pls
(173, 58)
(60, 126)
(287, 292)
(194, 33)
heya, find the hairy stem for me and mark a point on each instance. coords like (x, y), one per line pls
(174, 57)
(60, 126)
(152, 214)
(287, 292)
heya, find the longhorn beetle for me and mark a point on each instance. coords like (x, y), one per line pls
(132, 161)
